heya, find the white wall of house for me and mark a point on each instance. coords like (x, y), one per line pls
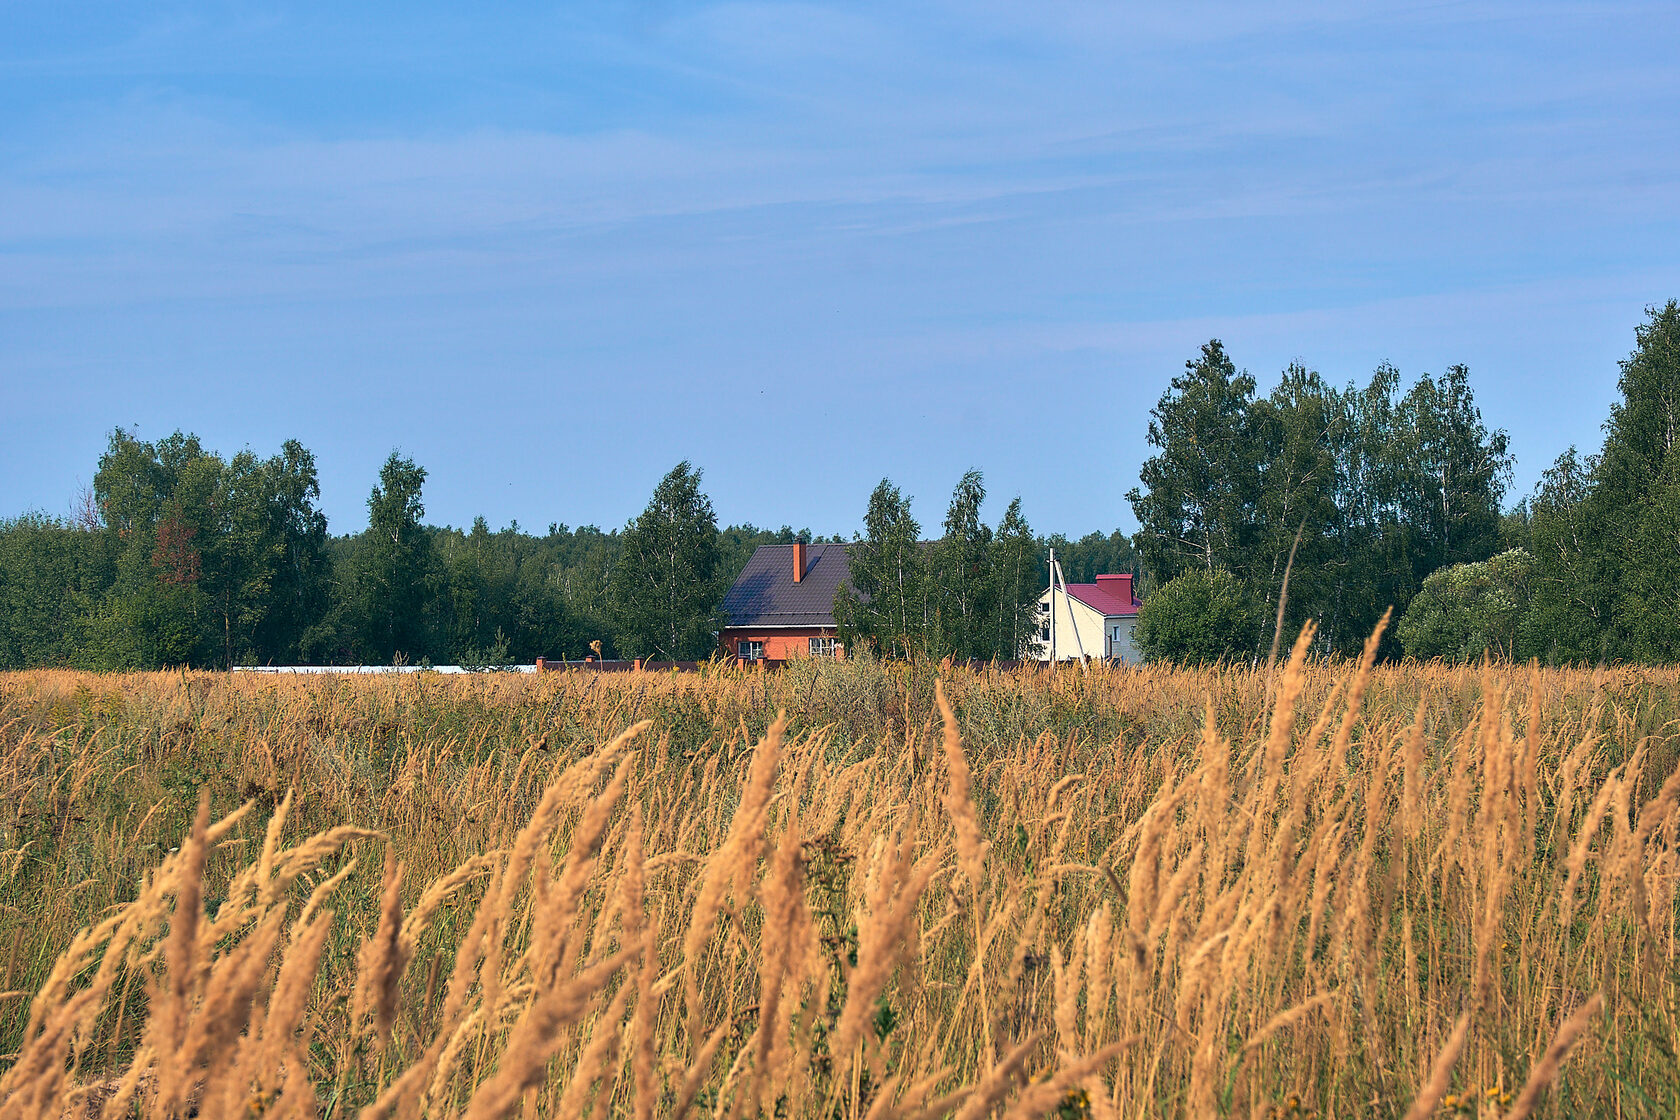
(1121, 645)
(1098, 635)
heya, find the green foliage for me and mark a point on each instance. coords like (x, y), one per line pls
(1606, 529)
(1086, 558)
(1014, 568)
(1651, 585)
(665, 589)
(969, 594)
(177, 558)
(1572, 592)
(1466, 610)
(1383, 488)
(53, 575)
(394, 572)
(505, 600)
(180, 557)
(183, 557)
(268, 561)
(960, 586)
(884, 608)
(1200, 490)
(497, 655)
(1198, 618)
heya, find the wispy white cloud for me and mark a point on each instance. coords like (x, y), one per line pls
(949, 205)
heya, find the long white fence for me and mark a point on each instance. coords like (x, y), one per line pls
(358, 670)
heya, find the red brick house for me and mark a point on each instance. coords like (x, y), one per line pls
(782, 606)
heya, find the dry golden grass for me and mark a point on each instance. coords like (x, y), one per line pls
(1398, 891)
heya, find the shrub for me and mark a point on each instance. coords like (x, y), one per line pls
(1198, 618)
(1465, 610)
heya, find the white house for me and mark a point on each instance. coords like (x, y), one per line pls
(1091, 620)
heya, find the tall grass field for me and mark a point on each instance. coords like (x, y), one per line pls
(847, 891)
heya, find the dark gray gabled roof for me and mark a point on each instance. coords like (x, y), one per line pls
(765, 594)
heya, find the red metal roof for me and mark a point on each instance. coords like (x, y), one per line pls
(1111, 595)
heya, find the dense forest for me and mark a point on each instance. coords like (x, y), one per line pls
(1382, 495)
(1312, 502)
(180, 556)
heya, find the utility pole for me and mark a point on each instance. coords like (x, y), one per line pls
(1058, 580)
(1052, 608)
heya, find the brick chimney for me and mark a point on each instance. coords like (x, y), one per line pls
(1120, 586)
(798, 561)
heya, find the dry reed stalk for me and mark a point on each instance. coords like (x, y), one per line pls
(599, 1059)
(319, 896)
(381, 961)
(268, 1058)
(1359, 929)
(1282, 727)
(1099, 974)
(483, 948)
(784, 947)
(1144, 881)
(1546, 1071)
(1033, 927)
(37, 1077)
(122, 1095)
(1043, 1096)
(215, 1037)
(892, 1104)
(270, 890)
(958, 801)
(630, 897)
(1178, 885)
(1285, 1019)
(1065, 976)
(644, 1022)
(557, 938)
(428, 1079)
(1575, 865)
(1355, 701)
(1232, 940)
(440, 891)
(224, 1009)
(1568, 784)
(696, 1072)
(538, 1034)
(1412, 790)
(732, 864)
(1002, 1077)
(307, 853)
(1440, 1072)
(1459, 790)
(1529, 769)
(1213, 792)
(167, 1023)
(896, 885)
(1630, 866)
(561, 998)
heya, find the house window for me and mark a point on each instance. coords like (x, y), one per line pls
(749, 650)
(822, 647)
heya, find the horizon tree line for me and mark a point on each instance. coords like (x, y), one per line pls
(1383, 494)
(1391, 497)
(178, 556)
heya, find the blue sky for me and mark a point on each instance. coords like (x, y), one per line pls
(550, 251)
